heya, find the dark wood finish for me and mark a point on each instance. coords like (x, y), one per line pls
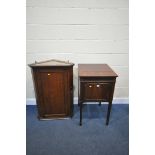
(53, 83)
(108, 113)
(96, 70)
(96, 82)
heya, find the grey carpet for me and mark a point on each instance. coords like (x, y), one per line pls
(66, 137)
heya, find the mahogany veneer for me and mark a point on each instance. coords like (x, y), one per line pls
(53, 83)
(96, 84)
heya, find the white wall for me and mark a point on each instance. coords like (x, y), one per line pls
(81, 31)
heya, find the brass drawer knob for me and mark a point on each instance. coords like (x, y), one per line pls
(97, 85)
(48, 74)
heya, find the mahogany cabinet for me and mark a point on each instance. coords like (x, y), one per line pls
(53, 84)
(96, 84)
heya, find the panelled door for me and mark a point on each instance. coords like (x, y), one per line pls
(97, 91)
(51, 86)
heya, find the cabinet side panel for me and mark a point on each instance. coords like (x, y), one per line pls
(70, 91)
(36, 89)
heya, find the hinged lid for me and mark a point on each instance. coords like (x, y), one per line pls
(95, 70)
(52, 62)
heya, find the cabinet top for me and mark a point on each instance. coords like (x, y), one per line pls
(52, 62)
(95, 70)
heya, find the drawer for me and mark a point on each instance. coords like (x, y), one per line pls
(97, 91)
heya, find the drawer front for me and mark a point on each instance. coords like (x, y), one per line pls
(97, 91)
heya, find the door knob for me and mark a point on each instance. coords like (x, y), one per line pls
(97, 85)
(90, 86)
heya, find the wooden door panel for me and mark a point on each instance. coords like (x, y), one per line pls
(100, 91)
(52, 95)
(106, 91)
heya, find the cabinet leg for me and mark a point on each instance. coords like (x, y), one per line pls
(108, 113)
(99, 103)
(80, 113)
(72, 115)
(78, 102)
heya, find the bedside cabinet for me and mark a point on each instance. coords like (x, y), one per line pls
(96, 84)
(53, 84)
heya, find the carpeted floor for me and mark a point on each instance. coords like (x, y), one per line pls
(66, 137)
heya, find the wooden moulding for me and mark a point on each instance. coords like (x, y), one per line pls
(51, 62)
